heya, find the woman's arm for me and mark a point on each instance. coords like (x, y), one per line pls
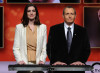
(16, 47)
(43, 53)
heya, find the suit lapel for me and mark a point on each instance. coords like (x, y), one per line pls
(75, 37)
(63, 33)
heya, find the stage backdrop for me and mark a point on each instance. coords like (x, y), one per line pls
(50, 14)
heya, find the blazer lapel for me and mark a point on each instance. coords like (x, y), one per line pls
(38, 32)
(25, 42)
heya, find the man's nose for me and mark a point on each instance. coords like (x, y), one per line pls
(69, 15)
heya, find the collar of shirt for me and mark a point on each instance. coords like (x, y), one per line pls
(65, 28)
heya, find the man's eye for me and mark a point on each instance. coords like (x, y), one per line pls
(67, 13)
(72, 13)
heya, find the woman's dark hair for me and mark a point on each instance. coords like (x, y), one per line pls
(25, 19)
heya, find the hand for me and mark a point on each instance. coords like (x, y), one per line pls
(77, 63)
(21, 62)
(41, 62)
(59, 63)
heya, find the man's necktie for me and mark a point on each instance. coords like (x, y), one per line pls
(69, 38)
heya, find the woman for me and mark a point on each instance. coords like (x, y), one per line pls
(30, 38)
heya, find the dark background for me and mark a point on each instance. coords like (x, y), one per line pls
(1, 26)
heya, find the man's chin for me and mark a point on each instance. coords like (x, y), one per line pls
(70, 23)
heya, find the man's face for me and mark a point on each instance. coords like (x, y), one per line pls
(69, 15)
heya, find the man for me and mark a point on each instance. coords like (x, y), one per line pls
(68, 43)
(69, 1)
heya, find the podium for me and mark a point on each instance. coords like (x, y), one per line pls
(32, 67)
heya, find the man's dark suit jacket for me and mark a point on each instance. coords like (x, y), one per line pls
(57, 45)
(69, 1)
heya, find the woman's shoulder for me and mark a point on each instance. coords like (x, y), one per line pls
(19, 25)
(43, 26)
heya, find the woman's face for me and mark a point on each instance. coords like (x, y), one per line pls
(31, 13)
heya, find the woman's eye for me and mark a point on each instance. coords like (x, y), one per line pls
(33, 10)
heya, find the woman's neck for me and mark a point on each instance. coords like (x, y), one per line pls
(31, 22)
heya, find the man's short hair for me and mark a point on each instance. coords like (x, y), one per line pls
(69, 7)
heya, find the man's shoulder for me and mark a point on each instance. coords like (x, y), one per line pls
(57, 26)
(79, 27)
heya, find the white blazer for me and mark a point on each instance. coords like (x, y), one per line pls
(20, 45)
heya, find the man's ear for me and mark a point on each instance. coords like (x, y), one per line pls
(63, 16)
(75, 16)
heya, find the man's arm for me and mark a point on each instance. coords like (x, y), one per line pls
(51, 49)
(49, 45)
(85, 50)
